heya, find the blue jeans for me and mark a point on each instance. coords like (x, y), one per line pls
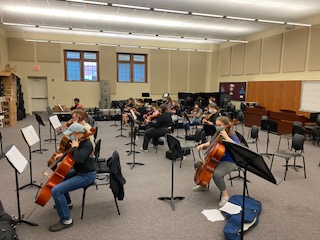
(60, 192)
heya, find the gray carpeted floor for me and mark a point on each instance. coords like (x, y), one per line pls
(290, 210)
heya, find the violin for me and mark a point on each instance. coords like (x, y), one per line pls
(213, 156)
(59, 173)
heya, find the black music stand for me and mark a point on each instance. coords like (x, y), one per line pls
(271, 127)
(40, 122)
(133, 145)
(174, 146)
(55, 124)
(252, 162)
(121, 125)
(30, 136)
(132, 142)
(19, 163)
(115, 105)
(50, 113)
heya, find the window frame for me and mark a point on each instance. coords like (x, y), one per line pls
(82, 60)
(132, 62)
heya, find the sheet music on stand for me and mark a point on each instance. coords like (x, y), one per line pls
(61, 108)
(15, 157)
(55, 122)
(30, 135)
(134, 116)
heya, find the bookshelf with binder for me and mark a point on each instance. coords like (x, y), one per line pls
(11, 98)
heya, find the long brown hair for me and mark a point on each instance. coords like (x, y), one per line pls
(226, 122)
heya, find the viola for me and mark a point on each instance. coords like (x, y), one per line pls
(59, 174)
(213, 156)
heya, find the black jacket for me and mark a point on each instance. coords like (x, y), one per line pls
(116, 179)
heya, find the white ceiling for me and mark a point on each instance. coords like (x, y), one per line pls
(63, 14)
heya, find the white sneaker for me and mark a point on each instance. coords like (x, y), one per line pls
(143, 150)
(199, 188)
(223, 201)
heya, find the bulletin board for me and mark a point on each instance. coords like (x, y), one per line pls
(237, 90)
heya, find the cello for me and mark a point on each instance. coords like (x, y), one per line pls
(214, 153)
(64, 146)
(59, 173)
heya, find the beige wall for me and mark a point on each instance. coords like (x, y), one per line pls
(3, 50)
(168, 71)
(268, 56)
(284, 54)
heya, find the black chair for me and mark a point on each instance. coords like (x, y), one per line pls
(96, 133)
(112, 176)
(196, 141)
(309, 128)
(296, 128)
(240, 118)
(254, 136)
(295, 151)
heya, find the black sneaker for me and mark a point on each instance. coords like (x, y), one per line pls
(70, 205)
(59, 226)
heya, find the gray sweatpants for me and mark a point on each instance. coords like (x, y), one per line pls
(223, 168)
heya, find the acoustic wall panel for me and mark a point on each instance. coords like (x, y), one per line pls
(197, 80)
(159, 71)
(271, 56)
(178, 71)
(108, 56)
(48, 52)
(295, 50)
(253, 57)
(237, 59)
(20, 50)
(314, 52)
(225, 61)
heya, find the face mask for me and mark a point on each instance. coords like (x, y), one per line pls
(210, 111)
(210, 102)
(196, 106)
(72, 138)
(219, 128)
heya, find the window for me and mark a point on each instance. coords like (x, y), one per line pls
(132, 67)
(81, 66)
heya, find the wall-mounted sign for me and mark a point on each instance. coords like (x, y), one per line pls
(237, 90)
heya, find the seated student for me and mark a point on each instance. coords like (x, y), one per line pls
(212, 114)
(77, 104)
(158, 129)
(150, 117)
(78, 116)
(226, 163)
(174, 110)
(195, 116)
(139, 110)
(126, 110)
(82, 174)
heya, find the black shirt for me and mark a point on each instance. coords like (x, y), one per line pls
(164, 120)
(81, 155)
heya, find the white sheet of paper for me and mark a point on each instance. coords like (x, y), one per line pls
(55, 122)
(230, 208)
(30, 135)
(213, 215)
(17, 159)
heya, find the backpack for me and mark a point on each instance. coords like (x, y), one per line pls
(7, 226)
(252, 211)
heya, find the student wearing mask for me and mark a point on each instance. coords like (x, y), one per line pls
(194, 116)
